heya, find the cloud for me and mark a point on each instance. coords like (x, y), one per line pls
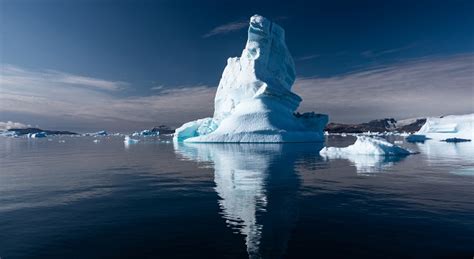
(374, 54)
(308, 57)
(429, 86)
(50, 94)
(12, 125)
(14, 75)
(157, 88)
(425, 86)
(226, 28)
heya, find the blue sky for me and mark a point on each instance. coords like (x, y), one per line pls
(124, 65)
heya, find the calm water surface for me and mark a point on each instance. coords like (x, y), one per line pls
(81, 199)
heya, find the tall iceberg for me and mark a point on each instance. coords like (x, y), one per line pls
(254, 102)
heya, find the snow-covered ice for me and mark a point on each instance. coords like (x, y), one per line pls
(366, 146)
(452, 126)
(254, 101)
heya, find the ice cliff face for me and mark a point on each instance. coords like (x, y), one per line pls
(254, 102)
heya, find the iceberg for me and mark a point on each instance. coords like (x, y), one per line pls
(146, 133)
(448, 127)
(254, 102)
(98, 133)
(128, 140)
(366, 146)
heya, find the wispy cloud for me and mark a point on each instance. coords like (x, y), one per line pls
(5, 125)
(374, 53)
(13, 75)
(157, 88)
(50, 94)
(425, 86)
(308, 57)
(226, 28)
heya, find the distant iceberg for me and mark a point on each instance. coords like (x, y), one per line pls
(98, 133)
(366, 146)
(127, 140)
(146, 133)
(254, 102)
(449, 127)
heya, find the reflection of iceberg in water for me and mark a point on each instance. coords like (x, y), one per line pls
(368, 154)
(367, 164)
(436, 150)
(257, 185)
(459, 155)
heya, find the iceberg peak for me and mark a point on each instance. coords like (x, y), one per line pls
(254, 101)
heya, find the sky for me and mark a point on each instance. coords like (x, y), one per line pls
(126, 65)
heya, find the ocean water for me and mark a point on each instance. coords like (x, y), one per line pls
(68, 197)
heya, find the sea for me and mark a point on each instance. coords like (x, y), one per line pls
(96, 197)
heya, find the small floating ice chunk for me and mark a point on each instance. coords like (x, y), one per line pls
(367, 146)
(129, 140)
(96, 141)
(416, 138)
(456, 140)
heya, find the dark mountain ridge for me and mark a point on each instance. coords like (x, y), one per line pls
(25, 131)
(381, 125)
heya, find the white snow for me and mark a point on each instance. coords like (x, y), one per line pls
(254, 102)
(405, 122)
(366, 146)
(452, 126)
